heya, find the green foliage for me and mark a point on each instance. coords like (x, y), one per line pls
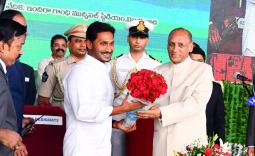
(236, 112)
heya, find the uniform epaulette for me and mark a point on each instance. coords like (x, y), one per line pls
(154, 59)
(57, 61)
(117, 57)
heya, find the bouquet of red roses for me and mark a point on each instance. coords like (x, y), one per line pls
(144, 86)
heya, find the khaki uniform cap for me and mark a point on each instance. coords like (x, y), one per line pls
(78, 30)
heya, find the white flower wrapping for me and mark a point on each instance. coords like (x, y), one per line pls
(131, 117)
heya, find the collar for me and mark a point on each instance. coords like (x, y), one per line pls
(186, 62)
(106, 64)
(3, 66)
(70, 60)
(145, 56)
(51, 58)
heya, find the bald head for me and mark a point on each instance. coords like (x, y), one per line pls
(20, 19)
(185, 31)
(15, 15)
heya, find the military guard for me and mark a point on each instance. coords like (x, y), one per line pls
(51, 90)
(136, 59)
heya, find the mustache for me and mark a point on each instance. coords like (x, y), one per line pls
(60, 49)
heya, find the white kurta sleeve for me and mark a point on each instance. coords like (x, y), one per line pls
(87, 94)
(195, 99)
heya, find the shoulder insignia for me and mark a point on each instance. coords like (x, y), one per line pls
(45, 76)
(117, 57)
(155, 59)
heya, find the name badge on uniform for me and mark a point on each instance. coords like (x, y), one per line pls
(27, 79)
(45, 77)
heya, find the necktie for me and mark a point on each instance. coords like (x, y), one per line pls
(5, 75)
(6, 78)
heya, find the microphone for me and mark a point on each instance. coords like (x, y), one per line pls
(239, 76)
(29, 126)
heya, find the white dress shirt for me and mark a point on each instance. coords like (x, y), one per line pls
(3, 65)
(124, 64)
(88, 105)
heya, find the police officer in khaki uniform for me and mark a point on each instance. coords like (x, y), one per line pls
(51, 90)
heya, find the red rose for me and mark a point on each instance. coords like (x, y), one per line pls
(135, 93)
(216, 146)
(208, 152)
(146, 85)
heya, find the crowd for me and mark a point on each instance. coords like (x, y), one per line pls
(91, 89)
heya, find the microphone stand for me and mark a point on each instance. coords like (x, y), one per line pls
(27, 128)
(247, 90)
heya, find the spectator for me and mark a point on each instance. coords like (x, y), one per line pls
(58, 46)
(12, 37)
(51, 90)
(16, 74)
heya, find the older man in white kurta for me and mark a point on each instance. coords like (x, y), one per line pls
(183, 108)
(88, 105)
(180, 114)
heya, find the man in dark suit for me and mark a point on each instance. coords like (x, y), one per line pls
(22, 81)
(12, 37)
(22, 86)
(16, 75)
(30, 87)
(215, 122)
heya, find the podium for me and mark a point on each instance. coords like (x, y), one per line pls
(47, 138)
(140, 142)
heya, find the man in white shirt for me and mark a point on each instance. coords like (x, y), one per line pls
(179, 115)
(89, 97)
(58, 46)
(136, 59)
